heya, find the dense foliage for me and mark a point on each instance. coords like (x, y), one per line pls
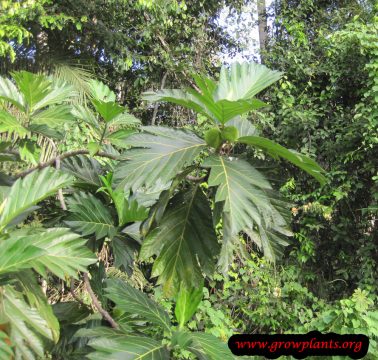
(154, 213)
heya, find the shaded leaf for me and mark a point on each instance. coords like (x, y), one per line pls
(162, 153)
(84, 168)
(30, 190)
(134, 301)
(184, 242)
(89, 216)
(124, 250)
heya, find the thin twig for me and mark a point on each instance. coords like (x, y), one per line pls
(157, 104)
(57, 166)
(97, 304)
(61, 157)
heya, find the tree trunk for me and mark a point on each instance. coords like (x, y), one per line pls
(261, 10)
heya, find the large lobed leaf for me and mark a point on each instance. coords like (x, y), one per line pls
(245, 80)
(243, 194)
(204, 346)
(17, 254)
(30, 190)
(90, 216)
(34, 87)
(131, 347)
(184, 242)
(64, 252)
(274, 149)
(87, 170)
(133, 301)
(232, 96)
(53, 116)
(10, 93)
(10, 124)
(26, 324)
(241, 187)
(161, 154)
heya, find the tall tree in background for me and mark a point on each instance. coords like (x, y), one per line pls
(132, 45)
(262, 24)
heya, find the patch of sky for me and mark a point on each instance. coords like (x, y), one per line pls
(243, 28)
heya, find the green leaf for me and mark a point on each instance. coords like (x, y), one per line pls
(46, 131)
(244, 126)
(37, 299)
(124, 119)
(126, 346)
(54, 117)
(84, 113)
(64, 254)
(93, 148)
(218, 111)
(10, 93)
(119, 137)
(30, 190)
(269, 239)
(60, 92)
(10, 124)
(89, 216)
(128, 210)
(100, 91)
(241, 187)
(133, 301)
(232, 96)
(86, 169)
(245, 80)
(244, 194)
(274, 149)
(70, 312)
(25, 323)
(124, 250)
(184, 242)
(204, 346)
(6, 351)
(29, 151)
(34, 87)
(108, 110)
(17, 254)
(162, 153)
(187, 303)
(208, 347)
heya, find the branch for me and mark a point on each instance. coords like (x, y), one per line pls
(157, 104)
(195, 178)
(72, 291)
(61, 157)
(97, 304)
